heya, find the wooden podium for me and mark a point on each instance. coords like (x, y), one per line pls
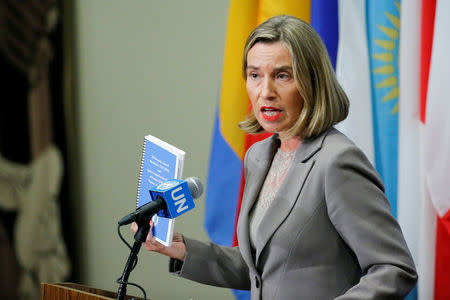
(72, 291)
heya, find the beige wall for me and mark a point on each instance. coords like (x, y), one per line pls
(142, 67)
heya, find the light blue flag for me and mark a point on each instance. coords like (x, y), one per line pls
(383, 27)
(383, 35)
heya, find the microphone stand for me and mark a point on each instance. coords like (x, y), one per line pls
(139, 237)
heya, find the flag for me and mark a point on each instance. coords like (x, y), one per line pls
(409, 175)
(437, 146)
(352, 71)
(427, 220)
(383, 22)
(225, 167)
(324, 19)
(368, 69)
(229, 143)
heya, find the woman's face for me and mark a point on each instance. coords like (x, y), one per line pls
(271, 87)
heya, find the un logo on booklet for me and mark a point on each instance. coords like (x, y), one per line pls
(167, 184)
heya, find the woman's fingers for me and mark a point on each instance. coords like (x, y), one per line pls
(134, 227)
(177, 250)
(151, 243)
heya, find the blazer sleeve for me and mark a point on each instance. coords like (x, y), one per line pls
(211, 264)
(360, 212)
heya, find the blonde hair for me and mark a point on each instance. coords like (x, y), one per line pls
(324, 101)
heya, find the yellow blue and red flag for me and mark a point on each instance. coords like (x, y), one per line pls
(229, 144)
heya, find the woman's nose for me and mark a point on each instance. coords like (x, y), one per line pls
(268, 89)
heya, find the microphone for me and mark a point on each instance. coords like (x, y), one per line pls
(170, 199)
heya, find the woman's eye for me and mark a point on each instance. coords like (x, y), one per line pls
(253, 75)
(283, 76)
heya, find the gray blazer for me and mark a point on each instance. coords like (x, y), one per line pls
(328, 233)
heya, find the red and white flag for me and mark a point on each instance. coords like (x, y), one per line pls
(437, 146)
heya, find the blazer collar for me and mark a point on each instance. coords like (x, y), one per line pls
(305, 151)
(310, 146)
(286, 195)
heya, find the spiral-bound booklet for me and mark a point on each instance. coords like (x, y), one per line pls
(160, 162)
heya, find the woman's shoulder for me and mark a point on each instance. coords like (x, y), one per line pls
(335, 143)
(337, 150)
(341, 153)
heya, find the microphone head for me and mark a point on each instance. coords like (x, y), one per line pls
(195, 186)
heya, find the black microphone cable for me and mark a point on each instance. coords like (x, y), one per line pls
(135, 261)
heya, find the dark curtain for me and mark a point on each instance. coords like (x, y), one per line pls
(29, 125)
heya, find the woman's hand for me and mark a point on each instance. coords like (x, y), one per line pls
(177, 250)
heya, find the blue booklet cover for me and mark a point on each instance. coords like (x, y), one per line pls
(160, 162)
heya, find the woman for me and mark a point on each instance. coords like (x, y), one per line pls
(314, 221)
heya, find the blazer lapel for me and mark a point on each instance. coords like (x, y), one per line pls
(260, 166)
(287, 194)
